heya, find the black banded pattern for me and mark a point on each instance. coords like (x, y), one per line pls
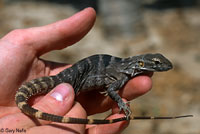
(94, 73)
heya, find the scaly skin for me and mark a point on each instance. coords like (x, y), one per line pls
(94, 73)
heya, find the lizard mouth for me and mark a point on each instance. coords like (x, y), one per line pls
(147, 70)
(143, 72)
(157, 68)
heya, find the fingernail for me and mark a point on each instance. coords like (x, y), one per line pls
(61, 92)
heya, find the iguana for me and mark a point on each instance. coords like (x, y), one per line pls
(94, 73)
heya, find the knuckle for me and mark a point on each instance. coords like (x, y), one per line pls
(19, 36)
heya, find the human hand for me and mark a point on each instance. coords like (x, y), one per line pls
(19, 61)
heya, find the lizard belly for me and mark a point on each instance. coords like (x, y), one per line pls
(96, 82)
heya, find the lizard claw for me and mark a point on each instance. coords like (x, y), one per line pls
(105, 93)
(125, 108)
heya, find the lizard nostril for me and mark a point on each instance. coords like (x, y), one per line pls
(157, 62)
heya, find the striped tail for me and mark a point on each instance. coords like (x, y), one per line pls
(43, 85)
(55, 118)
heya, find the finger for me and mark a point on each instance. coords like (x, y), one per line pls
(136, 87)
(59, 101)
(54, 36)
(115, 128)
(63, 33)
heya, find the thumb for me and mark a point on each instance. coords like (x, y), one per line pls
(59, 101)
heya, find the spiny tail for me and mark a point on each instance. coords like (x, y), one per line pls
(44, 85)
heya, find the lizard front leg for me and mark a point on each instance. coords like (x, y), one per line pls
(115, 96)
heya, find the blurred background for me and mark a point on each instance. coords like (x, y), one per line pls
(126, 28)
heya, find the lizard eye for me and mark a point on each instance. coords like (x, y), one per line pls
(141, 64)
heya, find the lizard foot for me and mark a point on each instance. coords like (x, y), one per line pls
(123, 106)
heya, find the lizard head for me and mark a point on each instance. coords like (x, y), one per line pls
(148, 62)
(153, 62)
